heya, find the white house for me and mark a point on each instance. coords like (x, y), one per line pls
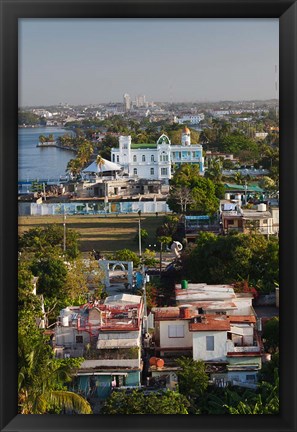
(155, 161)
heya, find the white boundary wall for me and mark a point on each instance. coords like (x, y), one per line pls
(81, 208)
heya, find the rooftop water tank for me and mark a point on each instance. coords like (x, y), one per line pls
(65, 321)
(160, 363)
(153, 361)
(261, 207)
(184, 284)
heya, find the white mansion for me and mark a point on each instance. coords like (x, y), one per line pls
(155, 161)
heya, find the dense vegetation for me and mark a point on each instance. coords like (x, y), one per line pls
(234, 257)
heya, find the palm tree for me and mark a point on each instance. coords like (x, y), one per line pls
(215, 171)
(85, 150)
(239, 178)
(74, 167)
(41, 380)
(100, 162)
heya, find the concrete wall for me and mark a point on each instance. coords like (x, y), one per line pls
(243, 304)
(242, 360)
(243, 334)
(172, 342)
(110, 363)
(199, 345)
(66, 336)
(241, 376)
(87, 208)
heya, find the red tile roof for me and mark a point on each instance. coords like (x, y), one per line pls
(164, 313)
(211, 324)
(241, 318)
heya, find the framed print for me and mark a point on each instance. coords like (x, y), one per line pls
(183, 181)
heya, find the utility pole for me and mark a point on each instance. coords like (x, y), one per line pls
(161, 245)
(64, 226)
(245, 191)
(144, 300)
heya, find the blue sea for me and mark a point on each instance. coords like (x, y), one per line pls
(41, 163)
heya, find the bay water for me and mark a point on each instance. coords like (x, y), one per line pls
(41, 162)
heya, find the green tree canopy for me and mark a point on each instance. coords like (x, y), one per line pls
(127, 255)
(28, 118)
(235, 257)
(167, 402)
(42, 379)
(192, 380)
(190, 192)
(271, 335)
(48, 237)
(236, 143)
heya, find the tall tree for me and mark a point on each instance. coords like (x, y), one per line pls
(100, 162)
(199, 192)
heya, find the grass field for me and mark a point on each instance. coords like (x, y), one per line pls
(106, 234)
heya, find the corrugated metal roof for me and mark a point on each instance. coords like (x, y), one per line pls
(123, 298)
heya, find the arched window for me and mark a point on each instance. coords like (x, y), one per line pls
(134, 158)
(164, 157)
(135, 171)
(143, 158)
(152, 171)
(152, 158)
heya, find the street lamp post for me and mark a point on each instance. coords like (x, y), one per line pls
(139, 233)
(161, 245)
(64, 236)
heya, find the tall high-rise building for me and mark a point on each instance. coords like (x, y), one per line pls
(127, 102)
(140, 101)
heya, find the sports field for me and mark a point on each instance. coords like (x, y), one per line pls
(105, 234)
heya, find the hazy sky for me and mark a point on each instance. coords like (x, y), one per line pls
(88, 61)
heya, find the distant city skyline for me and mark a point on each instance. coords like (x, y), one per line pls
(92, 61)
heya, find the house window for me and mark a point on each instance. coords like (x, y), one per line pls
(230, 222)
(134, 158)
(143, 158)
(118, 158)
(265, 221)
(176, 331)
(113, 158)
(152, 171)
(164, 171)
(79, 339)
(164, 157)
(135, 171)
(250, 378)
(152, 158)
(209, 343)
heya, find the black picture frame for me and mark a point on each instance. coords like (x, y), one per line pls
(11, 11)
